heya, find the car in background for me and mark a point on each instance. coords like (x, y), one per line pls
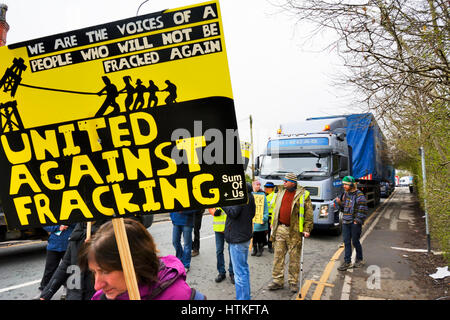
(385, 189)
(406, 181)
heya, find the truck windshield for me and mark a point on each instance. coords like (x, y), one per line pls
(304, 165)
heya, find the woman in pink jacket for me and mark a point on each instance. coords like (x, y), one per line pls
(159, 278)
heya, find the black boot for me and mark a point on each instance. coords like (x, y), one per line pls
(220, 277)
(259, 250)
(254, 250)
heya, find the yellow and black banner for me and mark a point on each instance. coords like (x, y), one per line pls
(130, 117)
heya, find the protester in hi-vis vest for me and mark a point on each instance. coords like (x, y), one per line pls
(219, 218)
(292, 219)
(271, 196)
(260, 221)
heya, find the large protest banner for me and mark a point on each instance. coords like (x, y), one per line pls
(129, 117)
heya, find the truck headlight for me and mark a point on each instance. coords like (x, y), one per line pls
(323, 213)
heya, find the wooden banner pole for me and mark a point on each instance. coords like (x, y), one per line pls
(125, 258)
(88, 230)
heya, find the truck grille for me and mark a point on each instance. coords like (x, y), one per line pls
(313, 191)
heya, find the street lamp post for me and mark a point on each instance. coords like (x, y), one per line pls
(424, 179)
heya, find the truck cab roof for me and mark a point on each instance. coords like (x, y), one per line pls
(313, 126)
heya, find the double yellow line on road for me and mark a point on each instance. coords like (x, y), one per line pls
(322, 283)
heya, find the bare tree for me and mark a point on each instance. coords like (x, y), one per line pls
(397, 58)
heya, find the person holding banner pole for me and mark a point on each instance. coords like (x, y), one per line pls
(79, 283)
(158, 278)
(260, 220)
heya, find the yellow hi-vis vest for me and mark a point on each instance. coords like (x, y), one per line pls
(271, 201)
(271, 198)
(301, 218)
(219, 221)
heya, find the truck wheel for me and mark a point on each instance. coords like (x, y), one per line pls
(338, 230)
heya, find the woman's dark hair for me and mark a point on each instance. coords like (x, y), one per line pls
(102, 247)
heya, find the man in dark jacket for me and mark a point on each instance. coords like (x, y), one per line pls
(82, 286)
(238, 232)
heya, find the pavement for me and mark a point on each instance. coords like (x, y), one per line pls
(388, 274)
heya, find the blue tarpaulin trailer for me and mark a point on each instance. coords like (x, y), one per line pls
(368, 146)
(368, 152)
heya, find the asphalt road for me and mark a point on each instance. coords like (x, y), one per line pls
(21, 267)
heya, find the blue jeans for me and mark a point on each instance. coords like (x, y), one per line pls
(351, 233)
(182, 253)
(220, 245)
(239, 255)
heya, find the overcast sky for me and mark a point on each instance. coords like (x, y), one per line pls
(275, 76)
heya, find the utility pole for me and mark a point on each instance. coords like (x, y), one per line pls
(424, 179)
(251, 141)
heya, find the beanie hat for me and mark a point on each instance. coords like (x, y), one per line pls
(348, 180)
(292, 177)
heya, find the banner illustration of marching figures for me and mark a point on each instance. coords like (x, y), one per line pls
(129, 117)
